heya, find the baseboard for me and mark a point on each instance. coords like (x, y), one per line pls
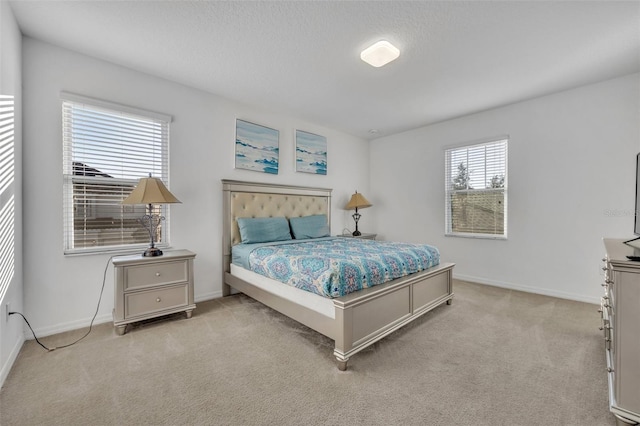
(67, 326)
(100, 319)
(13, 355)
(208, 296)
(528, 289)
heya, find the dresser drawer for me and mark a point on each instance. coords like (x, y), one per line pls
(141, 276)
(156, 300)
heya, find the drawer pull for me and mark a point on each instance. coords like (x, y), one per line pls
(158, 300)
(609, 370)
(157, 274)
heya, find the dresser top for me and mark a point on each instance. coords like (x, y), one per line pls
(167, 256)
(617, 252)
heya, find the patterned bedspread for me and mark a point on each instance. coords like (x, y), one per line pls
(335, 267)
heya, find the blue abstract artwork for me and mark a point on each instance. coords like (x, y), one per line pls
(311, 153)
(256, 147)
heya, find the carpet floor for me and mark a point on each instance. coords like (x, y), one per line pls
(494, 357)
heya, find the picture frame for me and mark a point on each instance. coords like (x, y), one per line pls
(311, 153)
(257, 147)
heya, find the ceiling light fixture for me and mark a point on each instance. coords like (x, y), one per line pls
(380, 53)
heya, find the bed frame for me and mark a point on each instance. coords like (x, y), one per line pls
(361, 318)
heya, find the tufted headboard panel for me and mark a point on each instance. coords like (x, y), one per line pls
(245, 204)
(251, 199)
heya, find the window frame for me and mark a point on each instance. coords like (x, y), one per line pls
(449, 232)
(70, 179)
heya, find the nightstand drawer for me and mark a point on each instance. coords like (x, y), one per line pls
(141, 276)
(151, 301)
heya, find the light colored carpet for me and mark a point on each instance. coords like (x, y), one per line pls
(494, 357)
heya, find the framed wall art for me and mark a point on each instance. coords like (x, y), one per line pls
(311, 153)
(256, 147)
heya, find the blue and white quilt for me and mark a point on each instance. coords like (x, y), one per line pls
(335, 267)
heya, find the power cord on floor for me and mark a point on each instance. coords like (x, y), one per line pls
(104, 279)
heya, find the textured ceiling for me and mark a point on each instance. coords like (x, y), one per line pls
(302, 57)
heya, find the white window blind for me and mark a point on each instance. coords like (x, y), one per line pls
(476, 190)
(107, 149)
(7, 193)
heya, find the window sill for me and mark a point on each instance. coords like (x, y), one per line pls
(116, 251)
(478, 236)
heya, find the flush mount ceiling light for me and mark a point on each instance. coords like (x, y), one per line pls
(380, 53)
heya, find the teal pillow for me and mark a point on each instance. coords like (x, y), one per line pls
(263, 229)
(315, 226)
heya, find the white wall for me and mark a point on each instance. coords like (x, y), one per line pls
(571, 182)
(61, 291)
(11, 330)
(571, 161)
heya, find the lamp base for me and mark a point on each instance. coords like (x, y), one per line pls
(356, 233)
(152, 251)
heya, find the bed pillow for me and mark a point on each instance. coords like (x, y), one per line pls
(263, 229)
(309, 226)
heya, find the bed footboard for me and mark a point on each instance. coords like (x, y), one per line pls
(367, 316)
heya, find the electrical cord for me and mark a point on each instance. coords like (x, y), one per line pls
(104, 279)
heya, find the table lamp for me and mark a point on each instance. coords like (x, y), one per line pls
(356, 202)
(151, 191)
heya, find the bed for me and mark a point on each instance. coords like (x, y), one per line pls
(353, 321)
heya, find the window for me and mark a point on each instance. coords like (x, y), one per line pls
(107, 149)
(7, 193)
(476, 190)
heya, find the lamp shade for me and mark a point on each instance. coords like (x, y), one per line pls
(357, 201)
(150, 190)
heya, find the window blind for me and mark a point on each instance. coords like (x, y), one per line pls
(107, 148)
(7, 193)
(476, 190)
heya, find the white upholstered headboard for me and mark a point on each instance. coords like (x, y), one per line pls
(252, 199)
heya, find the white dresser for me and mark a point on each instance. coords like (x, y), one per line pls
(620, 310)
(148, 287)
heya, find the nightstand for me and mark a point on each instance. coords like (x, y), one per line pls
(362, 236)
(149, 287)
